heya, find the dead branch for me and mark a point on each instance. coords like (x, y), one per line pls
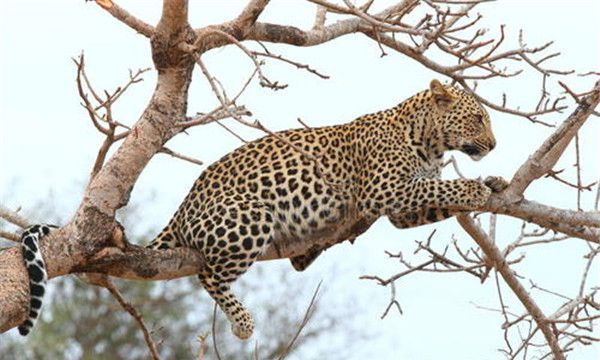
(393, 302)
(123, 16)
(177, 155)
(214, 332)
(500, 264)
(13, 217)
(250, 14)
(452, 160)
(320, 18)
(296, 64)
(217, 114)
(105, 282)
(306, 318)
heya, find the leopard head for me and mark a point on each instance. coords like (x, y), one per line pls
(462, 121)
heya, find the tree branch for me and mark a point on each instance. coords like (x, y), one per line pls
(126, 18)
(13, 217)
(494, 254)
(105, 282)
(249, 15)
(546, 156)
(535, 212)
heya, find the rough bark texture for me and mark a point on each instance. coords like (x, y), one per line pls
(91, 229)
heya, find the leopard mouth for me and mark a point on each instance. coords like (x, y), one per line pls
(473, 151)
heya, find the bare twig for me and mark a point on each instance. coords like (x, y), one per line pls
(296, 64)
(214, 332)
(105, 282)
(202, 348)
(215, 115)
(393, 302)
(177, 155)
(452, 160)
(307, 315)
(493, 253)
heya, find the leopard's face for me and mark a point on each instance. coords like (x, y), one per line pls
(464, 123)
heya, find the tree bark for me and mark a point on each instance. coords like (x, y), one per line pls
(93, 226)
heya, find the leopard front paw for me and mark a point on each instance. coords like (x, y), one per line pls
(477, 195)
(496, 183)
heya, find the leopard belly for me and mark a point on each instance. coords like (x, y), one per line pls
(323, 226)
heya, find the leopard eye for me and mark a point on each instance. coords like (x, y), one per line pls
(478, 117)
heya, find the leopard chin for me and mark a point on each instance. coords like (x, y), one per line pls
(477, 157)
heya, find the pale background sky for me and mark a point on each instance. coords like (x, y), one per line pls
(48, 145)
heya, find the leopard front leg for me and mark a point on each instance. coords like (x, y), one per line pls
(421, 217)
(424, 193)
(428, 215)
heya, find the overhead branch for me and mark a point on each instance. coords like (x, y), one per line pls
(250, 14)
(287, 34)
(476, 59)
(546, 156)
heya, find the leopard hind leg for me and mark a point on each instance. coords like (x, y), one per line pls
(167, 239)
(242, 323)
(241, 233)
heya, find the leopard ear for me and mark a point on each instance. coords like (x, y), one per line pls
(442, 98)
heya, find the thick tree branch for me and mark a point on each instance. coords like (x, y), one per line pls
(92, 227)
(174, 16)
(535, 212)
(139, 263)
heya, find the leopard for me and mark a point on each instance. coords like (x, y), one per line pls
(326, 185)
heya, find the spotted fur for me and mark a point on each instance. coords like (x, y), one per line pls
(36, 268)
(383, 164)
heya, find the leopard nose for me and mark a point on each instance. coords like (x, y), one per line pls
(492, 144)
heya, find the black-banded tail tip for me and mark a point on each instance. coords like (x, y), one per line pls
(25, 328)
(36, 269)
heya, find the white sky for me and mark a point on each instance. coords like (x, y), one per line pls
(47, 146)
